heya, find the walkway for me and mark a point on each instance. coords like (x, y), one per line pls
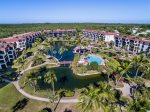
(125, 90)
(16, 84)
(29, 68)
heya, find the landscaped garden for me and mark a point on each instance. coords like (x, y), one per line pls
(66, 80)
(93, 77)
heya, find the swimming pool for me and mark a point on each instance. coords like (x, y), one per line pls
(95, 58)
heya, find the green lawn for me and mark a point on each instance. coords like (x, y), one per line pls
(73, 82)
(9, 96)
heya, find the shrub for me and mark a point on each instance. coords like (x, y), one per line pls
(37, 62)
(68, 93)
(93, 66)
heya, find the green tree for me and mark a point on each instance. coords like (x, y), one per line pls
(32, 80)
(139, 63)
(20, 62)
(50, 78)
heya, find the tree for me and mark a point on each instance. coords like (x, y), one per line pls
(89, 99)
(112, 43)
(33, 81)
(139, 63)
(98, 98)
(123, 70)
(62, 50)
(141, 100)
(50, 78)
(20, 62)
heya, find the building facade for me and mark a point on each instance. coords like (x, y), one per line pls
(11, 45)
(60, 33)
(130, 43)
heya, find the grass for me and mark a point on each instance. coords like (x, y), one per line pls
(73, 82)
(2, 84)
(9, 96)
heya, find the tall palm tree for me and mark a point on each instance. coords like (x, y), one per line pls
(32, 80)
(141, 100)
(139, 63)
(50, 78)
(62, 50)
(123, 70)
(96, 98)
(89, 99)
(20, 62)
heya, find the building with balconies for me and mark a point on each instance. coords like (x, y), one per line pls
(60, 33)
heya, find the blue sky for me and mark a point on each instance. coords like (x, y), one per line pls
(99, 11)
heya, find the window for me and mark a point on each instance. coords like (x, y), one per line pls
(2, 61)
(1, 57)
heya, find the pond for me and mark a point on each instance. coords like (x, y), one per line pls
(65, 56)
(66, 79)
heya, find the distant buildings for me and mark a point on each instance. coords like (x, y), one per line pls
(95, 35)
(130, 43)
(11, 45)
(60, 33)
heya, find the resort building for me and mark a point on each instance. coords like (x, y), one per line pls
(60, 33)
(130, 43)
(95, 35)
(82, 50)
(22, 41)
(11, 45)
(7, 54)
(92, 34)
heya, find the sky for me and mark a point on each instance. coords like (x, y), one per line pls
(74, 11)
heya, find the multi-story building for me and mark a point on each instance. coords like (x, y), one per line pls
(7, 54)
(92, 34)
(130, 43)
(60, 33)
(9, 46)
(95, 35)
(22, 41)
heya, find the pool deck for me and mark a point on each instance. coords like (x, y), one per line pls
(82, 60)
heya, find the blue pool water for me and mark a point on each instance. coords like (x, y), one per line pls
(94, 58)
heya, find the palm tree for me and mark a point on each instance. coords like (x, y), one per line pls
(89, 99)
(139, 63)
(123, 70)
(141, 100)
(62, 50)
(50, 78)
(96, 98)
(51, 49)
(20, 62)
(32, 79)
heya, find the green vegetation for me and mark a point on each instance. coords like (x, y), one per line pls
(9, 100)
(14, 29)
(66, 80)
(96, 92)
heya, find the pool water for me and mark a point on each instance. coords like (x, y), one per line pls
(95, 58)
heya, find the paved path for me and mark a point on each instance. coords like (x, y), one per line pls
(29, 68)
(125, 90)
(16, 84)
